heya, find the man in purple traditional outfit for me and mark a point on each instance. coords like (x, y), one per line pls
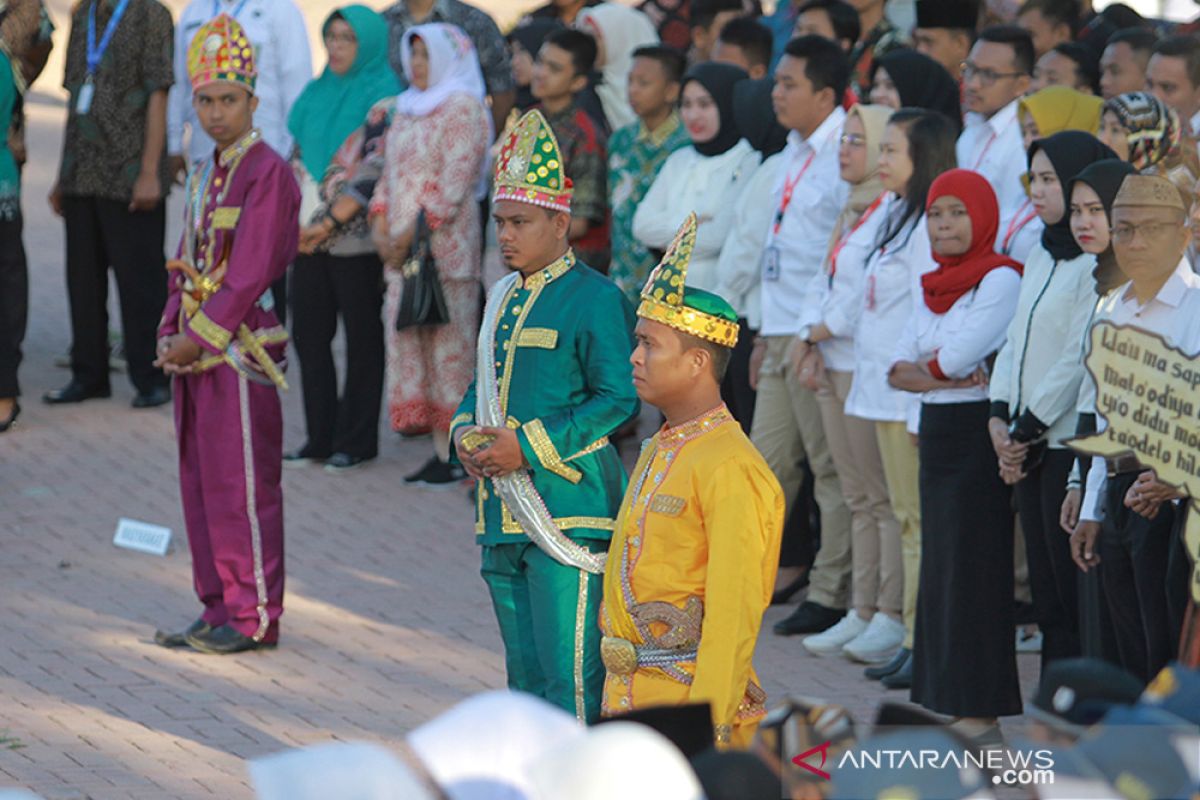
(219, 335)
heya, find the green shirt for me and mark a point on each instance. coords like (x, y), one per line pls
(635, 155)
(10, 178)
(563, 343)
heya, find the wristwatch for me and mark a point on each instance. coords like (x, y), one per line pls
(805, 335)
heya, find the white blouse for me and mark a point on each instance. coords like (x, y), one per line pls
(711, 186)
(739, 268)
(962, 338)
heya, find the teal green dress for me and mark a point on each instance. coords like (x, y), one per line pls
(562, 347)
(10, 177)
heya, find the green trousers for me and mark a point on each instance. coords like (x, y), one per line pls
(549, 621)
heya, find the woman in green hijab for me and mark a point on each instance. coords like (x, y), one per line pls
(339, 273)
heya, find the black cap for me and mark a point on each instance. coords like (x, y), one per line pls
(1176, 690)
(948, 14)
(689, 727)
(857, 776)
(1134, 748)
(1077, 692)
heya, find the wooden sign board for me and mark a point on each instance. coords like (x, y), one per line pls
(143, 537)
(1147, 392)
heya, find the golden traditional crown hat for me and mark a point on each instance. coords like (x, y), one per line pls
(668, 299)
(530, 167)
(221, 52)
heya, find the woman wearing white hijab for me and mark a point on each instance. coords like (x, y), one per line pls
(618, 31)
(434, 156)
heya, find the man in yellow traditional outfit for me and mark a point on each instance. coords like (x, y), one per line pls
(692, 562)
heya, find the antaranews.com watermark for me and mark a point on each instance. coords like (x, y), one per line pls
(1010, 767)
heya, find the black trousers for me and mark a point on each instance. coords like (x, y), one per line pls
(1134, 556)
(102, 234)
(735, 389)
(1179, 578)
(1052, 572)
(324, 287)
(1096, 639)
(14, 304)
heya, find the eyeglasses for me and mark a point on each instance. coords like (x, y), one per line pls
(987, 77)
(340, 38)
(852, 140)
(1150, 231)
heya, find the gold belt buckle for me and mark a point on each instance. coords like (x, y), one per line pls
(619, 655)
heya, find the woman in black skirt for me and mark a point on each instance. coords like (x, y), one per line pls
(964, 660)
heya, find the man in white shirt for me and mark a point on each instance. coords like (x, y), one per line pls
(1173, 75)
(809, 82)
(277, 31)
(995, 75)
(1134, 550)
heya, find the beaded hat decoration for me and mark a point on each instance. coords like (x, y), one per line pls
(220, 52)
(667, 299)
(530, 166)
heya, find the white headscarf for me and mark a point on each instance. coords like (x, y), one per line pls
(340, 769)
(622, 30)
(481, 749)
(453, 69)
(650, 767)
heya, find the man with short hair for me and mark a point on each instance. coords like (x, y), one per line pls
(1124, 60)
(1049, 22)
(222, 340)
(835, 20)
(1132, 552)
(691, 566)
(945, 31)
(707, 19)
(995, 75)
(1069, 64)
(1173, 75)
(745, 42)
(787, 429)
(552, 383)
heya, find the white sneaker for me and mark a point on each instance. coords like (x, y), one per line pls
(830, 642)
(879, 642)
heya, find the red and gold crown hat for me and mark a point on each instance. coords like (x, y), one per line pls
(530, 166)
(221, 52)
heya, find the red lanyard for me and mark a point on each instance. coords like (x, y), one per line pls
(837, 248)
(983, 152)
(789, 187)
(1016, 224)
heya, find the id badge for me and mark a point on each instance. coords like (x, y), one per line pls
(771, 264)
(83, 103)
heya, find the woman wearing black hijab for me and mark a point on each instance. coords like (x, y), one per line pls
(907, 79)
(1035, 384)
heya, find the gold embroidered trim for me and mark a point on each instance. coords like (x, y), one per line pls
(547, 454)
(209, 331)
(667, 504)
(689, 320)
(545, 338)
(226, 217)
(481, 496)
(509, 523)
(599, 444)
(260, 581)
(722, 734)
(553, 272)
(580, 621)
(461, 419)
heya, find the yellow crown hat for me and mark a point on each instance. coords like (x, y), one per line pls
(221, 52)
(530, 167)
(668, 299)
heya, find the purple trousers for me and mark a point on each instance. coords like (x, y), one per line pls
(230, 433)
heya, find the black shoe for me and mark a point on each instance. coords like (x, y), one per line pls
(784, 594)
(302, 458)
(343, 462)
(901, 678)
(74, 392)
(158, 396)
(883, 670)
(437, 474)
(224, 641)
(810, 617)
(12, 418)
(179, 639)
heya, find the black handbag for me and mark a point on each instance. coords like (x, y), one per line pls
(421, 299)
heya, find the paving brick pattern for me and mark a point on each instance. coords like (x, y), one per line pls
(387, 621)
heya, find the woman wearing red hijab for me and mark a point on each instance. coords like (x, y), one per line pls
(964, 663)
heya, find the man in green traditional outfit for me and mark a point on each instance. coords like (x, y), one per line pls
(552, 381)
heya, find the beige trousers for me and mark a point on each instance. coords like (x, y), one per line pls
(877, 578)
(787, 430)
(901, 467)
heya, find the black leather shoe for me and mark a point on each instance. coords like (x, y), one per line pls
(179, 638)
(785, 593)
(810, 617)
(158, 396)
(74, 393)
(343, 462)
(224, 641)
(883, 670)
(901, 678)
(12, 418)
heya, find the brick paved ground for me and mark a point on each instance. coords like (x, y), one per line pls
(387, 620)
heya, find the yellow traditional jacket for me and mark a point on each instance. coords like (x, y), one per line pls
(691, 569)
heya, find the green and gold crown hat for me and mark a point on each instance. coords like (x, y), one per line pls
(668, 299)
(530, 166)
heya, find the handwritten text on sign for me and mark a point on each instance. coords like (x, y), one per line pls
(1146, 391)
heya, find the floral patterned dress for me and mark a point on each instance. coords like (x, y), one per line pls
(433, 162)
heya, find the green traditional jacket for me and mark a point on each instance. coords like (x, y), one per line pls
(562, 352)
